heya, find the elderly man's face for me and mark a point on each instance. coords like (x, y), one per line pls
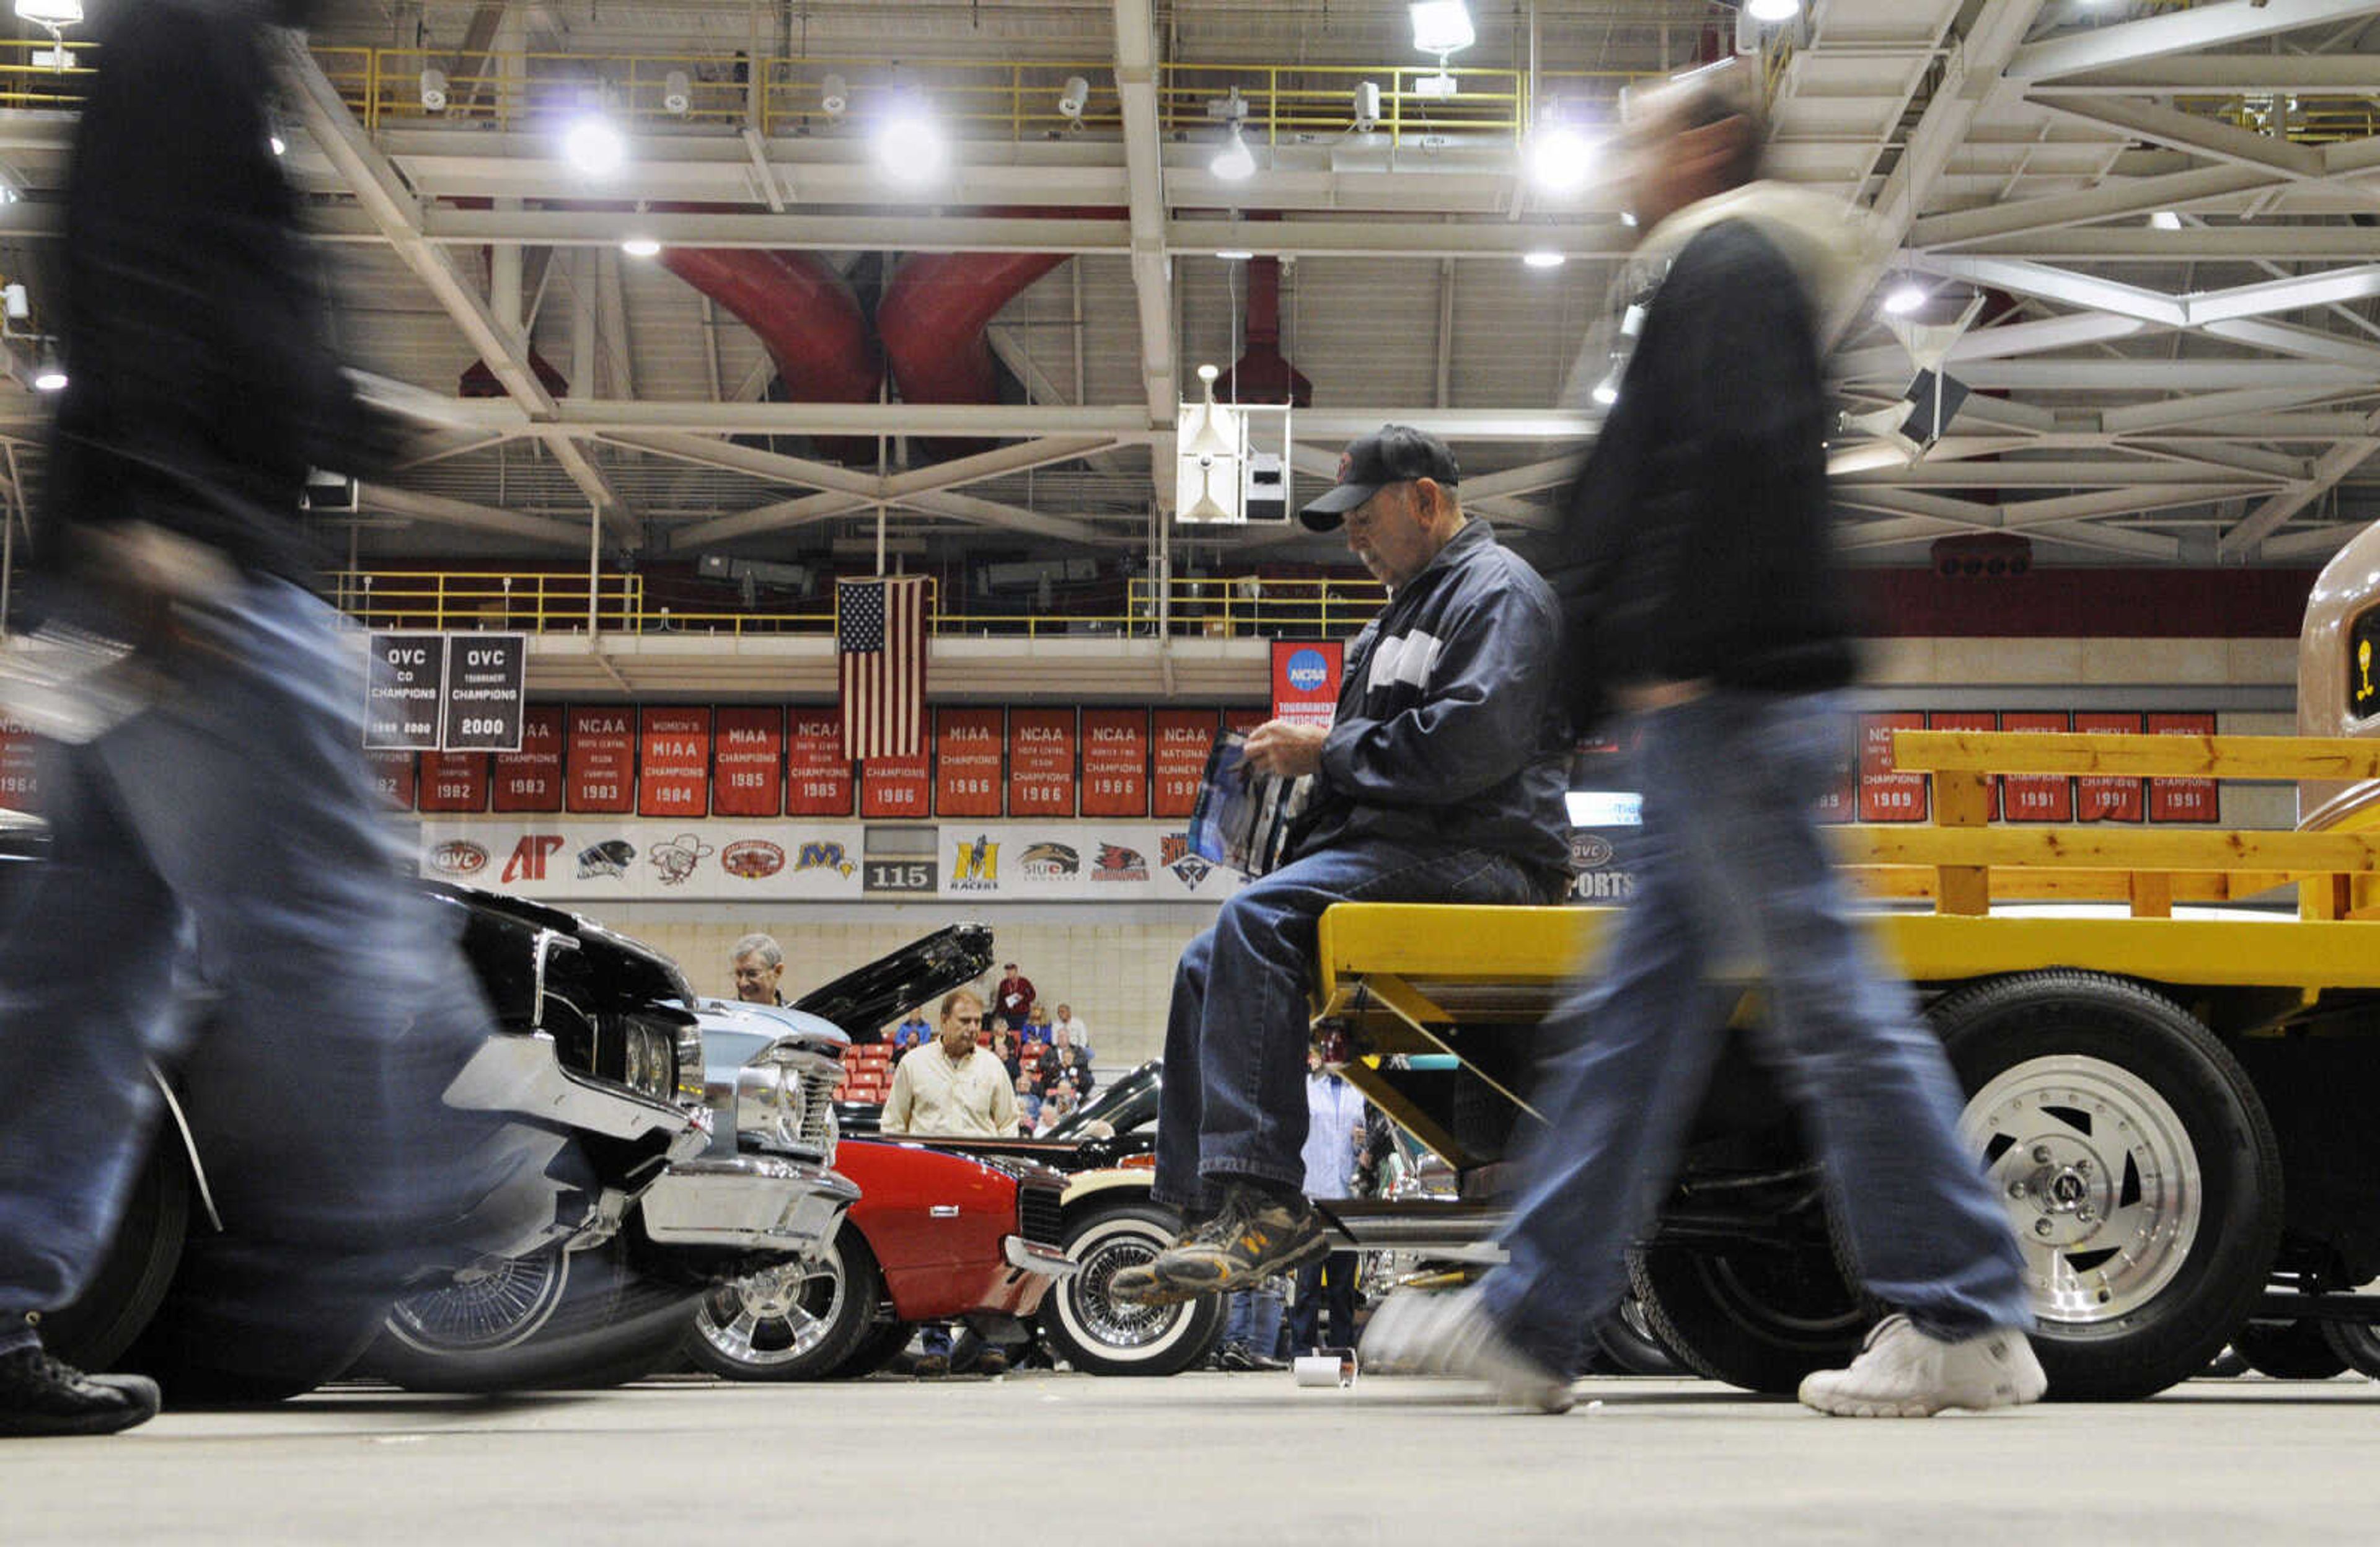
(959, 1027)
(1392, 532)
(755, 981)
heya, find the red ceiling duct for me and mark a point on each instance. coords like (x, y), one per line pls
(803, 312)
(1262, 375)
(932, 319)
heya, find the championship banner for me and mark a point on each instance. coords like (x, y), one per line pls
(530, 779)
(2184, 799)
(454, 782)
(1115, 762)
(1885, 794)
(1180, 741)
(405, 691)
(487, 677)
(20, 786)
(2036, 797)
(1245, 720)
(747, 762)
(599, 762)
(818, 776)
(1077, 862)
(896, 788)
(1970, 720)
(2098, 797)
(1041, 763)
(1305, 679)
(967, 762)
(675, 778)
(587, 863)
(391, 774)
(1839, 802)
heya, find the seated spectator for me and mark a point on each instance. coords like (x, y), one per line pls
(1003, 1047)
(1056, 1107)
(1067, 1030)
(1037, 1025)
(1066, 1066)
(914, 1031)
(1000, 1028)
(1028, 1105)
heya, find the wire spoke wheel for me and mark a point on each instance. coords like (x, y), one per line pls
(495, 1303)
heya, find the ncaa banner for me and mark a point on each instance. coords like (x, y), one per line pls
(1305, 679)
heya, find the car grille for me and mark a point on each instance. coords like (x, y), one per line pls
(818, 1109)
(1040, 1217)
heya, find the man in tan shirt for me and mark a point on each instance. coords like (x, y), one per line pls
(952, 1087)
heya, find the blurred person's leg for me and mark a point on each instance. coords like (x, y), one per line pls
(1176, 1180)
(1339, 1272)
(1843, 1034)
(1306, 1308)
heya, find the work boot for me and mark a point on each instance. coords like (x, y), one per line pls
(991, 1361)
(1453, 1336)
(42, 1396)
(1257, 1233)
(930, 1366)
(1139, 1284)
(1903, 1373)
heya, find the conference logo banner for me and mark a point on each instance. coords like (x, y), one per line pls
(585, 864)
(1077, 861)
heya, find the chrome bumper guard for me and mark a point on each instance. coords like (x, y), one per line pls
(750, 1203)
(1032, 1256)
(518, 1073)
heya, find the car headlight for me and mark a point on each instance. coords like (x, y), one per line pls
(651, 1061)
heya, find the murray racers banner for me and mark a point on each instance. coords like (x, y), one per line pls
(586, 862)
(1077, 861)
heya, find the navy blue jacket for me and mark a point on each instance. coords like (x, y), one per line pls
(1447, 735)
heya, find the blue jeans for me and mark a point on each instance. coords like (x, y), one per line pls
(1731, 876)
(1233, 1101)
(1253, 1323)
(225, 896)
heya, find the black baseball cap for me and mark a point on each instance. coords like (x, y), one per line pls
(1394, 454)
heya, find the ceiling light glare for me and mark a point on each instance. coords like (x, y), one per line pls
(1606, 391)
(1772, 10)
(909, 146)
(51, 13)
(1235, 255)
(1443, 26)
(641, 247)
(1560, 158)
(49, 376)
(1543, 258)
(2165, 220)
(280, 146)
(1235, 162)
(1904, 298)
(594, 145)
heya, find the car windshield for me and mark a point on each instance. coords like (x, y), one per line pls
(1127, 1104)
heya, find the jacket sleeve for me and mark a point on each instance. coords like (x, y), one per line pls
(900, 1100)
(1003, 1107)
(1488, 696)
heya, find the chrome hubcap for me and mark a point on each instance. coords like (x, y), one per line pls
(1105, 1318)
(494, 1303)
(774, 1316)
(2099, 1179)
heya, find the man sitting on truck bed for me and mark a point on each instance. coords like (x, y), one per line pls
(1441, 779)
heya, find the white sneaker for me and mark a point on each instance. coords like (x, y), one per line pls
(1452, 1335)
(1903, 1373)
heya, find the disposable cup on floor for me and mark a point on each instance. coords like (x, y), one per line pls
(1325, 1370)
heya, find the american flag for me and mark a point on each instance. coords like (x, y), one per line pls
(879, 642)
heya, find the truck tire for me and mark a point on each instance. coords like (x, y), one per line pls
(2357, 1343)
(2294, 1350)
(1759, 1317)
(1103, 1336)
(883, 1343)
(2138, 1167)
(1627, 1342)
(123, 1296)
(803, 1322)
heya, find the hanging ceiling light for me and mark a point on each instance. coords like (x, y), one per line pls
(641, 247)
(593, 145)
(1904, 298)
(1543, 258)
(1441, 27)
(50, 375)
(1772, 10)
(909, 144)
(1560, 157)
(52, 14)
(1234, 161)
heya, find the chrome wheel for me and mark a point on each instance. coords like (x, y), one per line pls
(494, 1303)
(2099, 1178)
(776, 1316)
(1103, 1319)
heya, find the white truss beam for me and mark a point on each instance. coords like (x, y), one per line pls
(1152, 277)
(2188, 31)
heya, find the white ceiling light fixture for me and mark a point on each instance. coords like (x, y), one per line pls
(1543, 258)
(52, 14)
(2165, 220)
(1560, 157)
(1772, 10)
(641, 247)
(1234, 162)
(594, 145)
(1236, 255)
(909, 143)
(50, 375)
(1904, 298)
(1441, 27)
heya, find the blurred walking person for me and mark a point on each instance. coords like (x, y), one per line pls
(1700, 597)
(224, 895)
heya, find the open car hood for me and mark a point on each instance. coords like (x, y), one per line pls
(864, 1000)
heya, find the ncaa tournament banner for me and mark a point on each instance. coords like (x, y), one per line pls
(587, 862)
(1305, 679)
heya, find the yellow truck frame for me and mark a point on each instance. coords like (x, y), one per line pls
(2176, 1108)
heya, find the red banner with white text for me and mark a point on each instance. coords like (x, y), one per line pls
(818, 776)
(1115, 762)
(747, 762)
(599, 762)
(530, 779)
(967, 762)
(1041, 763)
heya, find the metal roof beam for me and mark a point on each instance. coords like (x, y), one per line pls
(2222, 74)
(476, 517)
(2188, 31)
(1153, 273)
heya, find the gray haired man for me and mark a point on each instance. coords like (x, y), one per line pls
(758, 963)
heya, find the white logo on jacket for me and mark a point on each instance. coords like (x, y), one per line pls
(1409, 658)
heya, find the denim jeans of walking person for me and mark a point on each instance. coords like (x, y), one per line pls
(1732, 882)
(225, 897)
(1240, 1011)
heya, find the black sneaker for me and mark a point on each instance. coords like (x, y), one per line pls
(1258, 1235)
(42, 1396)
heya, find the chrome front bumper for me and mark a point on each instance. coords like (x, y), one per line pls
(747, 1202)
(1032, 1256)
(518, 1073)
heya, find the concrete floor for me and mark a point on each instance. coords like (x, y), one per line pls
(1206, 1459)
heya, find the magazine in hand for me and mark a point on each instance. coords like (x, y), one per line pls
(1244, 818)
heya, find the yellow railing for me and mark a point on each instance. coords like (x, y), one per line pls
(1236, 607)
